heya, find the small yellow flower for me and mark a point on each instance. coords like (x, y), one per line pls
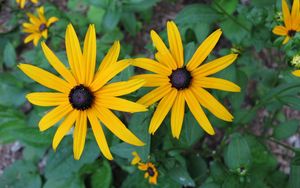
(23, 2)
(38, 26)
(296, 61)
(178, 84)
(291, 21)
(83, 94)
(136, 158)
(151, 171)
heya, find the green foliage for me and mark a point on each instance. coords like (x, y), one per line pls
(240, 155)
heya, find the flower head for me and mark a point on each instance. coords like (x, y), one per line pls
(23, 2)
(83, 95)
(38, 26)
(291, 21)
(151, 171)
(178, 84)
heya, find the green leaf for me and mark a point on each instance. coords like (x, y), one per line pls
(294, 180)
(102, 177)
(286, 129)
(95, 15)
(9, 55)
(111, 18)
(218, 171)
(73, 181)
(180, 175)
(130, 23)
(262, 3)
(197, 13)
(237, 155)
(228, 6)
(138, 5)
(197, 167)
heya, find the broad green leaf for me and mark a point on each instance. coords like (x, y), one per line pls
(9, 55)
(138, 5)
(102, 177)
(237, 155)
(197, 167)
(262, 3)
(286, 129)
(130, 23)
(111, 18)
(73, 181)
(218, 171)
(180, 175)
(294, 180)
(95, 15)
(229, 6)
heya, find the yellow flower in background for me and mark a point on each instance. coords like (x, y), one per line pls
(177, 83)
(83, 95)
(38, 26)
(291, 21)
(23, 2)
(136, 158)
(151, 171)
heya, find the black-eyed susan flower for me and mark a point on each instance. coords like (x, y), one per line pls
(82, 95)
(38, 26)
(177, 83)
(136, 158)
(23, 2)
(291, 21)
(150, 171)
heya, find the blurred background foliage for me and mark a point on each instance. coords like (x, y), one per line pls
(258, 149)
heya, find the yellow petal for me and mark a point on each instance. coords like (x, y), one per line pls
(212, 104)
(163, 59)
(111, 56)
(152, 80)
(33, 19)
(89, 54)
(34, 1)
(155, 95)
(175, 43)
(36, 39)
(99, 135)
(162, 110)
(214, 66)
(177, 114)
(103, 77)
(204, 50)
(136, 158)
(41, 14)
(296, 73)
(197, 112)
(286, 14)
(79, 134)
(54, 116)
(58, 65)
(143, 166)
(51, 21)
(74, 54)
(116, 126)
(29, 38)
(295, 12)
(280, 30)
(119, 104)
(45, 34)
(45, 78)
(217, 83)
(152, 66)
(64, 128)
(161, 48)
(121, 88)
(286, 40)
(47, 98)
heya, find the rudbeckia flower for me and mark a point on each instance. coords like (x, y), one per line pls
(82, 95)
(38, 26)
(151, 171)
(291, 21)
(178, 84)
(23, 2)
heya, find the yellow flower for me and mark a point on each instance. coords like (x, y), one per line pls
(151, 171)
(178, 83)
(23, 2)
(291, 21)
(83, 94)
(38, 26)
(136, 158)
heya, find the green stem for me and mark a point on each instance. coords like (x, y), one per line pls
(231, 17)
(282, 144)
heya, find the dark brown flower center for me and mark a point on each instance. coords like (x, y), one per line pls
(150, 171)
(180, 78)
(42, 27)
(291, 33)
(81, 98)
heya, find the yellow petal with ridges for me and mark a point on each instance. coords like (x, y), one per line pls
(204, 50)
(280, 30)
(89, 54)
(286, 14)
(64, 128)
(54, 116)
(155, 95)
(116, 126)
(152, 66)
(47, 98)
(111, 56)
(99, 134)
(45, 78)
(197, 112)
(79, 134)
(177, 114)
(162, 110)
(121, 88)
(51, 21)
(175, 43)
(216, 83)
(152, 80)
